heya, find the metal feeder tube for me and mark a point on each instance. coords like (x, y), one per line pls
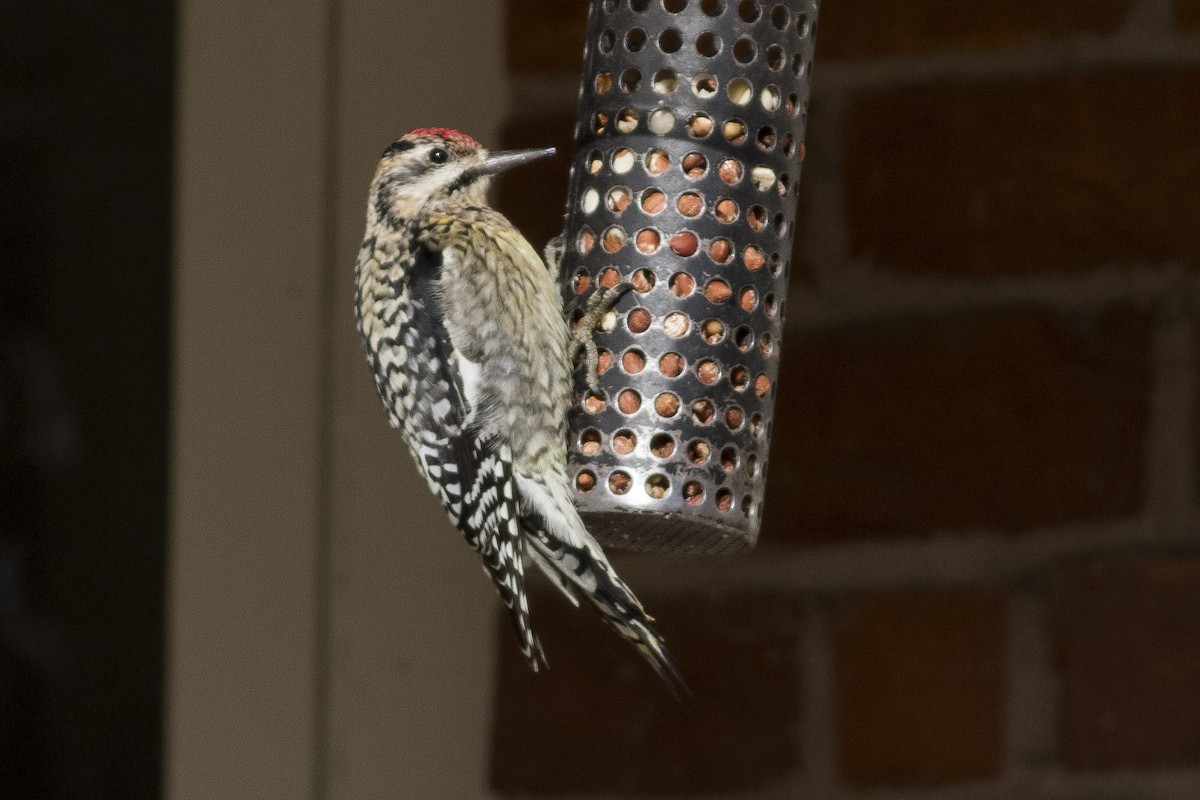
(684, 182)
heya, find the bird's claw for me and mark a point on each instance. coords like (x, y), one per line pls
(583, 338)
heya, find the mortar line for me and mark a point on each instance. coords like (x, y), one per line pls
(1170, 467)
(967, 559)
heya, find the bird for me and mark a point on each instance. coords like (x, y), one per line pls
(462, 324)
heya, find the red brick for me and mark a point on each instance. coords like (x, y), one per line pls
(919, 688)
(1127, 639)
(1003, 420)
(545, 36)
(1060, 175)
(877, 28)
(534, 197)
(1187, 14)
(599, 721)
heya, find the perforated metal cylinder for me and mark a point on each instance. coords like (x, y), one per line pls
(684, 182)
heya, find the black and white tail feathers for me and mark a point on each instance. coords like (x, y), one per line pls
(490, 522)
(571, 567)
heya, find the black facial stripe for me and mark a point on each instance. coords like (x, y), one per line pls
(465, 179)
(397, 147)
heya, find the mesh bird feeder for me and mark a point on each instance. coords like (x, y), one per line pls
(684, 183)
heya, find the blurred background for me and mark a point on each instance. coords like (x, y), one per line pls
(980, 568)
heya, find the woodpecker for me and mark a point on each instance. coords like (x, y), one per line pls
(462, 324)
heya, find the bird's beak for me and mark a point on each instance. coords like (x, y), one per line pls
(501, 162)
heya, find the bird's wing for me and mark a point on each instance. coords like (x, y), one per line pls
(471, 475)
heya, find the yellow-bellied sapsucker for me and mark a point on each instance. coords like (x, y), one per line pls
(463, 327)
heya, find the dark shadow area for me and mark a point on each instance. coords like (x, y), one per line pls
(85, 162)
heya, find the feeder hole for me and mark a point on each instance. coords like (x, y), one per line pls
(627, 120)
(661, 121)
(694, 165)
(752, 257)
(657, 486)
(669, 41)
(653, 201)
(676, 324)
(647, 242)
(725, 211)
(730, 171)
(717, 291)
(586, 241)
(704, 85)
(681, 284)
(662, 445)
(684, 244)
(619, 482)
(589, 442)
(766, 345)
(657, 161)
(708, 44)
(665, 81)
(690, 204)
(614, 239)
(756, 218)
(643, 279)
(740, 91)
(671, 365)
(623, 160)
(720, 251)
(634, 361)
(712, 331)
(582, 281)
(700, 125)
(666, 405)
(744, 50)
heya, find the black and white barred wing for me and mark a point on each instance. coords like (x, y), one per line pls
(472, 477)
(491, 521)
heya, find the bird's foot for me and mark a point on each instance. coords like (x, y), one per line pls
(583, 337)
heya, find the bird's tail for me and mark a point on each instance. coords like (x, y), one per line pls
(487, 515)
(587, 571)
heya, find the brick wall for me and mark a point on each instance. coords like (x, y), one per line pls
(980, 567)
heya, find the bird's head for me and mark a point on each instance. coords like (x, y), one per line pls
(438, 165)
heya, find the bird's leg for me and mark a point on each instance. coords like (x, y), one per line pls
(583, 337)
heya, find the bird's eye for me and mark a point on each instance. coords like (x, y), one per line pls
(438, 156)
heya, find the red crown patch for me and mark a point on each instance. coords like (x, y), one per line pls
(449, 134)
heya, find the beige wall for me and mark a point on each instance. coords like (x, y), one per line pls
(330, 633)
